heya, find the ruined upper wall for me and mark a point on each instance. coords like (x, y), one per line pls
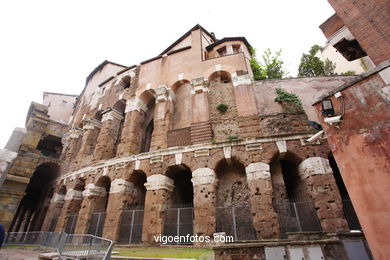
(60, 106)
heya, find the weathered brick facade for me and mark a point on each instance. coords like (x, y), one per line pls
(153, 139)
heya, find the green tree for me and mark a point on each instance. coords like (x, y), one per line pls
(271, 66)
(312, 66)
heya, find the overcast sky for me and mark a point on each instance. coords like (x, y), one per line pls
(53, 45)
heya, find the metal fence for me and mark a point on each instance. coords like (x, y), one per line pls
(131, 226)
(96, 224)
(41, 238)
(350, 215)
(236, 221)
(68, 245)
(179, 221)
(297, 215)
(70, 226)
(77, 246)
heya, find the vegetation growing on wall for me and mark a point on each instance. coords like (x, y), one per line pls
(222, 108)
(284, 96)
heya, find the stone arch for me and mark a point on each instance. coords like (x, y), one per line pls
(183, 191)
(125, 82)
(98, 115)
(147, 104)
(34, 205)
(233, 208)
(291, 195)
(182, 112)
(119, 106)
(220, 76)
(103, 184)
(138, 179)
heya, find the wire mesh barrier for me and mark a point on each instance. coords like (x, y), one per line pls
(70, 226)
(131, 227)
(53, 223)
(77, 246)
(236, 221)
(96, 224)
(350, 215)
(297, 215)
(46, 239)
(68, 245)
(179, 221)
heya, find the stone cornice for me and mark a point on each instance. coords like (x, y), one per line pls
(176, 150)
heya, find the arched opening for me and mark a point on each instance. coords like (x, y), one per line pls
(98, 215)
(349, 211)
(125, 82)
(74, 207)
(148, 121)
(61, 192)
(119, 106)
(292, 201)
(179, 216)
(98, 116)
(182, 107)
(233, 210)
(220, 77)
(34, 205)
(133, 214)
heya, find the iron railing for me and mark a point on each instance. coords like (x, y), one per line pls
(70, 226)
(68, 246)
(236, 221)
(41, 238)
(297, 215)
(179, 221)
(131, 227)
(77, 246)
(96, 224)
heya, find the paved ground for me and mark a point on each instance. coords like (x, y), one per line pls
(18, 254)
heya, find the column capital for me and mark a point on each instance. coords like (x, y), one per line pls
(162, 94)
(91, 123)
(93, 190)
(58, 198)
(257, 171)
(111, 115)
(200, 85)
(121, 186)
(158, 182)
(75, 133)
(203, 176)
(135, 104)
(72, 194)
(313, 166)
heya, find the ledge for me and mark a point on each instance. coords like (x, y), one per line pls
(359, 78)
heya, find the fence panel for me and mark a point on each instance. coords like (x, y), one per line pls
(236, 221)
(96, 224)
(179, 221)
(131, 227)
(70, 226)
(297, 216)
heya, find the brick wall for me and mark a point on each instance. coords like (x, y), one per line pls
(369, 22)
